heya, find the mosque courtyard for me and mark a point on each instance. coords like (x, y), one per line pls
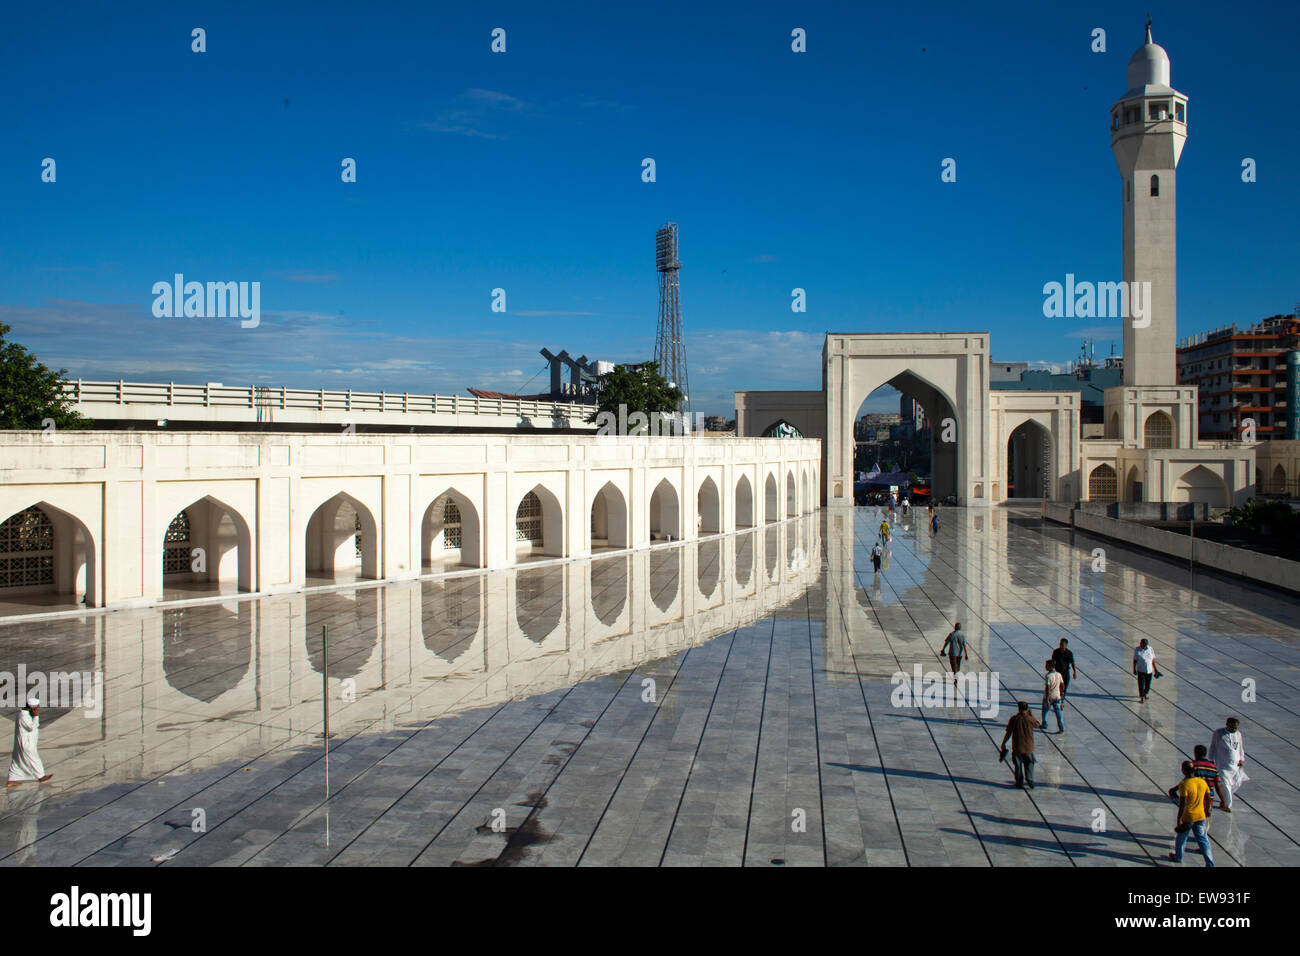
(723, 701)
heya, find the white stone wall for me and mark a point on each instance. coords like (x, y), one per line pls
(120, 491)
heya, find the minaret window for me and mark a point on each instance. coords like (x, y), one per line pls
(1178, 112)
(1155, 185)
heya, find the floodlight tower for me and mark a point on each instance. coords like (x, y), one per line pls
(670, 344)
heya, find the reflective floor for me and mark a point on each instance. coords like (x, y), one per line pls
(724, 701)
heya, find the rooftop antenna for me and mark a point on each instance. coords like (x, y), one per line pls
(670, 344)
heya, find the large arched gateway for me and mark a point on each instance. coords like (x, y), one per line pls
(945, 372)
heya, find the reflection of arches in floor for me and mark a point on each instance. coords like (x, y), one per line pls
(206, 650)
(609, 588)
(665, 577)
(450, 612)
(352, 620)
(708, 562)
(539, 601)
(771, 553)
(744, 559)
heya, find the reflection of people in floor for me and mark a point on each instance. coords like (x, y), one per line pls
(1229, 755)
(25, 763)
(24, 806)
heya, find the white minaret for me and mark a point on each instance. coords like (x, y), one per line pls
(1148, 127)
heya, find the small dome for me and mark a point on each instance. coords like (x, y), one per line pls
(1149, 66)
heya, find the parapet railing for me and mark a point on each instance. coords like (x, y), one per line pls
(262, 397)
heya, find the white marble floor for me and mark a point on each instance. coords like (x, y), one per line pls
(727, 701)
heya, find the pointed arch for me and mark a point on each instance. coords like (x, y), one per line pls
(1101, 483)
(46, 550)
(209, 542)
(1200, 485)
(708, 508)
(539, 524)
(450, 532)
(1028, 451)
(665, 512)
(609, 518)
(1158, 431)
(744, 503)
(771, 503)
(342, 535)
(791, 496)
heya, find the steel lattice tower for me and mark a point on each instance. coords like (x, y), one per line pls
(670, 344)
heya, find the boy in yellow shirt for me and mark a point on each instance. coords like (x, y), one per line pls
(1192, 794)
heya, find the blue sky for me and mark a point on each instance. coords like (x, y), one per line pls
(522, 171)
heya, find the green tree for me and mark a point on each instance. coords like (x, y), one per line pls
(31, 392)
(638, 388)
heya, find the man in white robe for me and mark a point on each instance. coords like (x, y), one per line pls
(25, 763)
(1229, 756)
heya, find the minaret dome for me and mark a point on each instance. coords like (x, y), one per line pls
(1149, 66)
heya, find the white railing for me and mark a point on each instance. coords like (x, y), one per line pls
(174, 395)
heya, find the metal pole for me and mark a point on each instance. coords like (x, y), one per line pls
(325, 706)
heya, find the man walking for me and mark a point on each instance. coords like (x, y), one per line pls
(1205, 770)
(954, 645)
(1020, 728)
(1052, 696)
(1229, 755)
(25, 763)
(875, 556)
(1144, 668)
(1063, 661)
(1192, 793)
